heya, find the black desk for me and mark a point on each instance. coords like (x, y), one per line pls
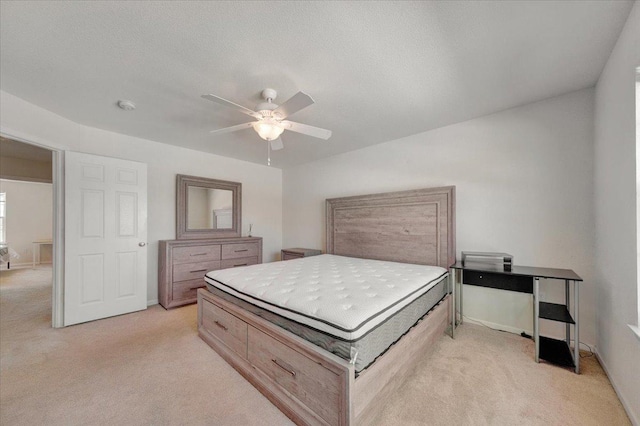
(526, 279)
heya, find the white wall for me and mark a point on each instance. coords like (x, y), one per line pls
(524, 186)
(261, 185)
(616, 191)
(29, 218)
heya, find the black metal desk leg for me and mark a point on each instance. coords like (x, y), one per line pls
(536, 314)
(452, 291)
(576, 309)
(461, 284)
(566, 302)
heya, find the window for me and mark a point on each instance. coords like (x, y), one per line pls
(3, 214)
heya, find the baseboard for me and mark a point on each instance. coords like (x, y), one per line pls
(627, 407)
(152, 302)
(495, 326)
(518, 331)
(21, 265)
(15, 266)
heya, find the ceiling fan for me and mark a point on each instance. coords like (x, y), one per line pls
(271, 117)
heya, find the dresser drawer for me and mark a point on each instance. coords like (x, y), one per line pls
(187, 290)
(519, 283)
(234, 251)
(234, 263)
(192, 271)
(317, 387)
(229, 329)
(196, 254)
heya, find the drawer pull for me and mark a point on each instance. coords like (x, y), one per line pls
(293, 373)
(241, 264)
(238, 251)
(221, 326)
(197, 287)
(199, 270)
(198, 254)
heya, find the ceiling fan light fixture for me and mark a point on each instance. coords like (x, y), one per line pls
(268, 131)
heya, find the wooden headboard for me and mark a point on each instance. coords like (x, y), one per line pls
(416, 226)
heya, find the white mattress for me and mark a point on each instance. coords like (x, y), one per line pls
(342, 296)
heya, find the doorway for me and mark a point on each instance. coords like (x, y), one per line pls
(30, 225)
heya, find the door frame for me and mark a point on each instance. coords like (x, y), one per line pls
(57, 174)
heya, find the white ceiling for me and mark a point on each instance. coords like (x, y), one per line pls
(378, 71)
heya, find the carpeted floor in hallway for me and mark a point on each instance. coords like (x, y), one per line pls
(150, 368)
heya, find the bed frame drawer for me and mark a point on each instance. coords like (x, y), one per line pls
(234, 263)
(235, 251)
(227, 328)
(196, 254)
(317, 387)
(193, 271)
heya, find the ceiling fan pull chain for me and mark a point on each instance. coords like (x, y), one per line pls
(268, 153)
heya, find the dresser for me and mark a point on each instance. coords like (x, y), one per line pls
(183, 263)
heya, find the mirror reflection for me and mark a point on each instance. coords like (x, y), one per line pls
(209, 208)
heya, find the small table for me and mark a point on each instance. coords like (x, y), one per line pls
(37, 247)
(295, 253)
(526, 279)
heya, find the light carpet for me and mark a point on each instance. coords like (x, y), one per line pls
(150, 368)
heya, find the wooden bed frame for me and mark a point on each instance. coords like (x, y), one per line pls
(315, 387)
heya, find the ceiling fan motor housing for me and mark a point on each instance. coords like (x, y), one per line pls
(265, 108)
(269, 94)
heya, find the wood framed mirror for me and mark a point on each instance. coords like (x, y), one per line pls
(207, 208)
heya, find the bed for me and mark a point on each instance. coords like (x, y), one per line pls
(308, 357)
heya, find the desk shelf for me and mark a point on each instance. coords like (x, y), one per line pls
(555, 312)
(556, 352)
(553, 350)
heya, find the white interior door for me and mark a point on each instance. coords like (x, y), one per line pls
(105, 237)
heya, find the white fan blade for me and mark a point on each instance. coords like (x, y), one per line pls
(222, 101)
(276, 144)
(233, 128)
(296, 103)
(305, 129)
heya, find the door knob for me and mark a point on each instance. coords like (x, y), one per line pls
(142, 244)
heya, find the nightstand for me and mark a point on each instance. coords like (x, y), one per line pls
(296, 253)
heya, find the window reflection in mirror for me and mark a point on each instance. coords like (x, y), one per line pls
(209, 208)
